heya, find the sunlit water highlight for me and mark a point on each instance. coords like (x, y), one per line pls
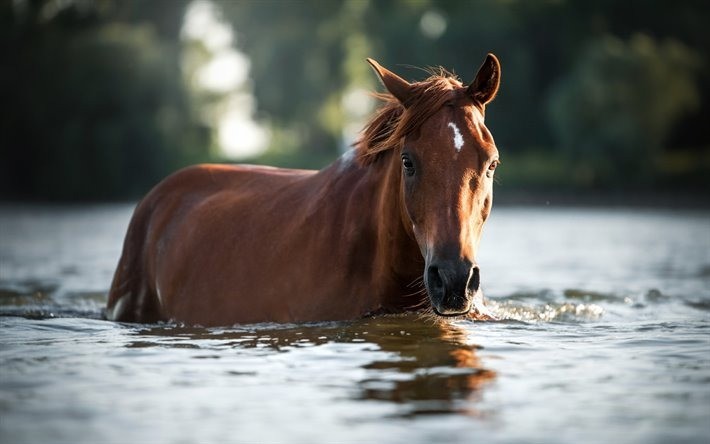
(604, 337)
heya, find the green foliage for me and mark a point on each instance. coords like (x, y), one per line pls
(612, 110)
(298, 72)
(594, 94)
(94, 109)
(617, 106)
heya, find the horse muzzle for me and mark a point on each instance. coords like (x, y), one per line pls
(452, 286)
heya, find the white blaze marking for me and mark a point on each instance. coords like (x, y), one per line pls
(458, 138)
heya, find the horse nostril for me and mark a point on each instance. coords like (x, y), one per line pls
(474, 281)
(434, 278)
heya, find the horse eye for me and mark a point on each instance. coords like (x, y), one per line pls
(408, 165)
(492, 167)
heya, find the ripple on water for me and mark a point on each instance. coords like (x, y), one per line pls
(568, 312)
(44, 300)
(604, 322)
(699, 304)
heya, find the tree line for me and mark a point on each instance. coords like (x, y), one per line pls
(602, 95)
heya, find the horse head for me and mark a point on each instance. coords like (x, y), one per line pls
(447, 159)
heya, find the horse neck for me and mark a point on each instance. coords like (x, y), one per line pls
(376, 191)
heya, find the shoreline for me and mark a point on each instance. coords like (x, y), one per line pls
(672, 200)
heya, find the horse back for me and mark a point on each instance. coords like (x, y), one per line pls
(210, 198)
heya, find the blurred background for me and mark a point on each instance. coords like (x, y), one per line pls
(102, 98)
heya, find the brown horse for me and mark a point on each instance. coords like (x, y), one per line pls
(219, 245)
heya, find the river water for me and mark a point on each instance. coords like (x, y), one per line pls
(604, 337)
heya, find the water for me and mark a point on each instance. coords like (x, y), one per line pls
(604, 337)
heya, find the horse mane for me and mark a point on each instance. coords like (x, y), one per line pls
(392, 121)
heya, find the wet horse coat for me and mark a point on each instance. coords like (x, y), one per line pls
(391, 226)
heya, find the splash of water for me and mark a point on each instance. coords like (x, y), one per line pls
(548, 312)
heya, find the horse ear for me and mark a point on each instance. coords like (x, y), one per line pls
(396, 85)
(485, 86)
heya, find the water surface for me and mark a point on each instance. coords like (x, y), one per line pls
(604, 337)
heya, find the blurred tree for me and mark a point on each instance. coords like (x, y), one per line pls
(297, 52)
(298, 48)
(615, 109)
(93, 101)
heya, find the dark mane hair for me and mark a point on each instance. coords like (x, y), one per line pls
(392, 121)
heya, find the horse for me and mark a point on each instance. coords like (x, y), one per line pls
(391, 226)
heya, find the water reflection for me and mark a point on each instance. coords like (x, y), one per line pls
(425, 367)
(440, 372)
